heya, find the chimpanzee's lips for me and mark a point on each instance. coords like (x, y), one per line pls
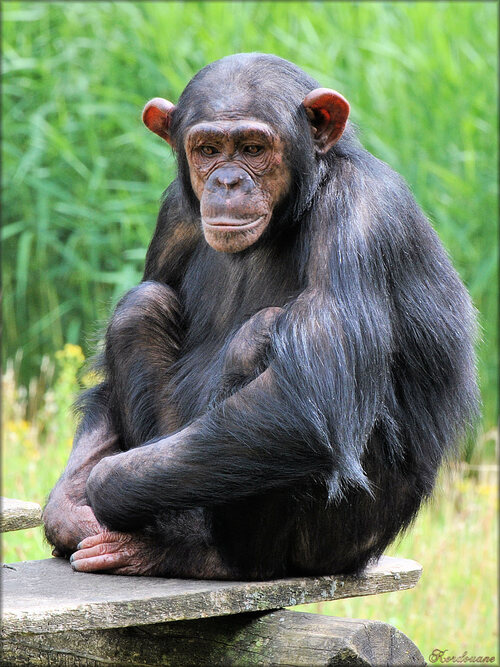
(232, 224)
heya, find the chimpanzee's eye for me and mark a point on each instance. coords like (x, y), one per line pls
(208, 150)
(253, 149)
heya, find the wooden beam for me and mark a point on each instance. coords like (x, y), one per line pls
(259, 638)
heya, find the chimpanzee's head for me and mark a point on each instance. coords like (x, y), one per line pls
(248, 131)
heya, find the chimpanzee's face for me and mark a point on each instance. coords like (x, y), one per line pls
(239, 174)
(237, 164)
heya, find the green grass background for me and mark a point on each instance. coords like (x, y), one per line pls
(82, 180)
(82, 177)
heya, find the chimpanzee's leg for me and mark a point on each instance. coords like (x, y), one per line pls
(131, 406)
(177, 543)
(67, 516)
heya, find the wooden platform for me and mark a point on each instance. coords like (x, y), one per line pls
(48, 596)
(55, 616)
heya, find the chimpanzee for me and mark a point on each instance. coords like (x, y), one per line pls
(282, 386)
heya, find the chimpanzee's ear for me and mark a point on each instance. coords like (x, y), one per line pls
(157, 115)
(328, 111)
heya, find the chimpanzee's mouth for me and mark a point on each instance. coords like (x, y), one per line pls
(232, 224)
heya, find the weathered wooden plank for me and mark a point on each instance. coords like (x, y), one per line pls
(18, 514)
(270, 638)
(48, 596)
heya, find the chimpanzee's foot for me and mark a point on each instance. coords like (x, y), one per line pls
(116, 553)
(133, 554)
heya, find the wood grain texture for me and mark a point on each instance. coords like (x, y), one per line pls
(18, 514)
(48, 596)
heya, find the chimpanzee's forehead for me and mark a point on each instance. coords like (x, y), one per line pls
(228, 100)
(237, 105)
(242, 86)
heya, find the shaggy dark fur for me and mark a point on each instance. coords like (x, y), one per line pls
(315, 433)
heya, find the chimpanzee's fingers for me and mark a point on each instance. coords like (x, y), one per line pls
(100, 563)
(103, 556)
(101, 538)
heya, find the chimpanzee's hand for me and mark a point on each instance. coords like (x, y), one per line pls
(67, 524)
(116, 553)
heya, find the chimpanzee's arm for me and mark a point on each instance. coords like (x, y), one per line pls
(174, 464)
(220, 456)
(174, 239)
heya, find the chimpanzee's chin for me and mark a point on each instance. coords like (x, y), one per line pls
(223, 238)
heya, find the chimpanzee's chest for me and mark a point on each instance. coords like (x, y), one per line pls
(217, 301)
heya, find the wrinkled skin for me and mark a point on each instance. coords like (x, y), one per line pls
(116, 553)
(238, 173)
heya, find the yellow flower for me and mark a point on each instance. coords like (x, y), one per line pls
(71, 351)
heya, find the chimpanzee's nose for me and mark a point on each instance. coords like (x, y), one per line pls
(230, 178)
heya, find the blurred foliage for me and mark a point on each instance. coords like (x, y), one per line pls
(36, 438)
(82, 177)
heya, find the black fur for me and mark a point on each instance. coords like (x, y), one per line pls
(370, 360)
